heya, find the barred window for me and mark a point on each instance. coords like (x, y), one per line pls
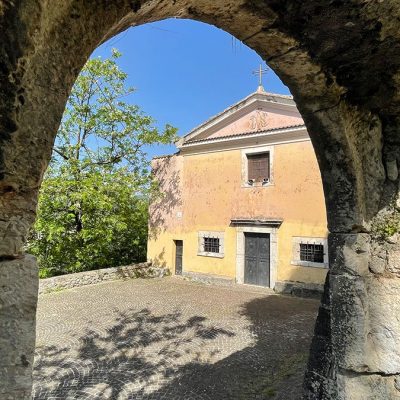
(211, 245)
(312, 252)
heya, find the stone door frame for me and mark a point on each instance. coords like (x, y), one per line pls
(240, 252)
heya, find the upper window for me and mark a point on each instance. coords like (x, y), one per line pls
(211, 244)
(258, 168)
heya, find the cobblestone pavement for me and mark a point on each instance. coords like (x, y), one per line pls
(171, 339)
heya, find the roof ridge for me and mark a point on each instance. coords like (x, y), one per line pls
(164, 156)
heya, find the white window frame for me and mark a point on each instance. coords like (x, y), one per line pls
(245, 166)
(297, 240)
(211, 234)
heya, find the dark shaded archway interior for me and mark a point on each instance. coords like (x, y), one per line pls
(341, 62)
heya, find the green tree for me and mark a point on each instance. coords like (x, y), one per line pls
(93, 202)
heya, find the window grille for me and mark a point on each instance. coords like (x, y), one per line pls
(258, 167)
(312, 252)
(211, 245)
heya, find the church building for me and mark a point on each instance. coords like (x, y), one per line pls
(242, 200)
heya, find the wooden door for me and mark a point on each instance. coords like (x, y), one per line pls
(178, 256)
(257, 259)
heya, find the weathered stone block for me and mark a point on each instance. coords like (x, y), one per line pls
(18, 299)
(349, 320)
(366, 387)
(17, 213)
(393, 264)
(392, 171)
(377, 265)
(382, 350)
(365, 309)
(349, 253)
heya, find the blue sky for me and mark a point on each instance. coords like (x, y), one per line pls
(185, 72)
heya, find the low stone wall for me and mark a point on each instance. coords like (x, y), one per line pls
(208, 279)
(299, 289)
(141, 270)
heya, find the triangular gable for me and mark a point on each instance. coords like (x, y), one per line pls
(259, 111)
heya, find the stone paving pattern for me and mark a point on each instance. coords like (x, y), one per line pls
(171, 339)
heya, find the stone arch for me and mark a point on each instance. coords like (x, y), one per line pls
(340, 60)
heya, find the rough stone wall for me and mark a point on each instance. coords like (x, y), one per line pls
(341, 60)
(357, 337)
(18, 297)
(141, 270)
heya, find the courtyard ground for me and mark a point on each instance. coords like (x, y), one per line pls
(171, 339)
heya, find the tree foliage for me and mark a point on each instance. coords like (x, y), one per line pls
(93, 202)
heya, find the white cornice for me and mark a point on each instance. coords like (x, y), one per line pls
(272, 137)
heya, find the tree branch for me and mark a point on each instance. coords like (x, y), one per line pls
(60, 153)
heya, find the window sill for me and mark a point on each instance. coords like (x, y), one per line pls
(257, 185)
(207, 254)
(310, 264)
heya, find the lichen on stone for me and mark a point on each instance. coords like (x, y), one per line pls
(386, 225)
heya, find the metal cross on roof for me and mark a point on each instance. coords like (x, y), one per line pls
(260, 71)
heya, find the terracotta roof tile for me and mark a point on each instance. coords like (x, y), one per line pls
(243, 134)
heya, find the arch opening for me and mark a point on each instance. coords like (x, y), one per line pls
(88, 354)
(355, 137)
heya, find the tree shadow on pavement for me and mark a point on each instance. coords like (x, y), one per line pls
(147, 357)
(136, 351)
(272, 368)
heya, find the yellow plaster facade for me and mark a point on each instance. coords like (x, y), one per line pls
(205, 192)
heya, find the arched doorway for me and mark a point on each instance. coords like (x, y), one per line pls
(331, 56)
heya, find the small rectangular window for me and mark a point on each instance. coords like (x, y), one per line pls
(312, 252)
(211, 245)
(258, 167)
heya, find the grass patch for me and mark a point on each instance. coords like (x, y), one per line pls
(286, 369)
(266, 386)
(56, 289)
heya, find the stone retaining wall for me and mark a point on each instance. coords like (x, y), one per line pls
(141, 270)
(208, 278)
(299, 289)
